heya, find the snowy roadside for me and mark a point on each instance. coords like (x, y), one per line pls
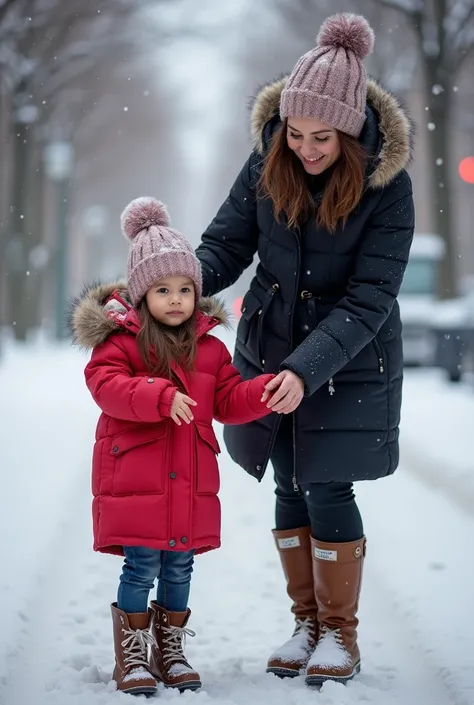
(45, 437)
(415, 635)
(437, 439)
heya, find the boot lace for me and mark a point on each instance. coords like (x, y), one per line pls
(175, 640)
(335, 634)
(135, 647)
(305, 624)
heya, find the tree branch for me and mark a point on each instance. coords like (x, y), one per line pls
(411, 8)
(466, 48)
(5, 8)
(460, 16)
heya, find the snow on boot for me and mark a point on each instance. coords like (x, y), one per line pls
(131, 640)
(294, 547)
(167, 661)
(337, 580)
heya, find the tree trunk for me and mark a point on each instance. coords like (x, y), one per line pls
(17, 246)
(439, 103)
(35, 230)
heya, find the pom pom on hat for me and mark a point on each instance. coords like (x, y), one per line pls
(348, 31)
(141, 214)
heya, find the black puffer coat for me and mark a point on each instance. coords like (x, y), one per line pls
(321, 304)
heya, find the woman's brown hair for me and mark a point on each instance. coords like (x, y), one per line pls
(284, 181)
(167, 344)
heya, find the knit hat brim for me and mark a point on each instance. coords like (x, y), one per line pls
(159, 265)
(301, 102)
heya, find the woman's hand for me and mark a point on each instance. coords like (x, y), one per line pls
(180, 408)
(288, 391)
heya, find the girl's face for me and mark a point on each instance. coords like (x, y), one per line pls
(171, 300)
(315, 143)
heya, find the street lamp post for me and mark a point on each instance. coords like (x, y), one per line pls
(95, 221)
(59, 160)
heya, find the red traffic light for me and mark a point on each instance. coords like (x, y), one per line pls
(466, 170)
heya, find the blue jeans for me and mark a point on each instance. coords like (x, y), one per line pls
(142, 566)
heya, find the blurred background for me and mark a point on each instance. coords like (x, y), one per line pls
(102, 101)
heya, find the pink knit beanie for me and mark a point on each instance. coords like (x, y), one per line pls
(156, 251)
(329, 82)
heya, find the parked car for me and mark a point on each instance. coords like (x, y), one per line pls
(453, 326)
(418, 300)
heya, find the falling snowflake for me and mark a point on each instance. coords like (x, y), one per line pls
(439, 162)
(431, 126)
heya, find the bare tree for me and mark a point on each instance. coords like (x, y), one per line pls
(444, 30)
(47, 48)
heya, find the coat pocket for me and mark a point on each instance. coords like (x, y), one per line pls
(251, 307)
(141, 458)
(255, 306)
(207, 469)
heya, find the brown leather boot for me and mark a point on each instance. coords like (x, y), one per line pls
(131, 640)
(167, 661)
(337, 581)
(294, 547)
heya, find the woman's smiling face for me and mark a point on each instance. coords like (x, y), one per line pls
(315, 143)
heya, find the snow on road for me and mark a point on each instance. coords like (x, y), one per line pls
(55, 638)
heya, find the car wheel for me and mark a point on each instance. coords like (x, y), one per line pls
(455, 375)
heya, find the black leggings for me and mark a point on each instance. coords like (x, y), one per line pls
(328, 507)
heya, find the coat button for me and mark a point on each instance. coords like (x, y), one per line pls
(115, 449)
(184, 539)
(173, 475)
(172, 543)
(150, 380)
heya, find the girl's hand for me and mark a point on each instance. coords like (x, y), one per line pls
(288, 395)
(180, 408)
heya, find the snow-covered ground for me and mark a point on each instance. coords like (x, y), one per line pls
(416, 630)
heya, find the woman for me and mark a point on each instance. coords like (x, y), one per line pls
(325, 201)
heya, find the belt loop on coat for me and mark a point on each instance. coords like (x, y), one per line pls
(308, 296)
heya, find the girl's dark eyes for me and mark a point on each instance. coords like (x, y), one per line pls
(164, 290)
(317, 139)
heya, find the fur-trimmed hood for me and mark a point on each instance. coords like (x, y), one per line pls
(103, 309)
(395, 127)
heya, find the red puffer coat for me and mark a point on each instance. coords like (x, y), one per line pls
(154, 483)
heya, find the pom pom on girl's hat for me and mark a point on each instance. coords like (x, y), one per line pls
(329, 83)
(156, 250)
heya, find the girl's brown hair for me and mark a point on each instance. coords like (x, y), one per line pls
(284, 181)
(166, 344)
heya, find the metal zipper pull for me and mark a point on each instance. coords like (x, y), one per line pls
(381, 365)
(331, 388)
(293, 477)
(295, 484)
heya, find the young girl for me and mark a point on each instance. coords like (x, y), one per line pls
(160, 379)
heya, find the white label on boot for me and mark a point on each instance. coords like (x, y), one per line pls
(291, 542)
(325, 555)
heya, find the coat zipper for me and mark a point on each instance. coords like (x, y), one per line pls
(380, 356)
(272, 291)
(297, 279)
(278, 422)
(381, 363)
